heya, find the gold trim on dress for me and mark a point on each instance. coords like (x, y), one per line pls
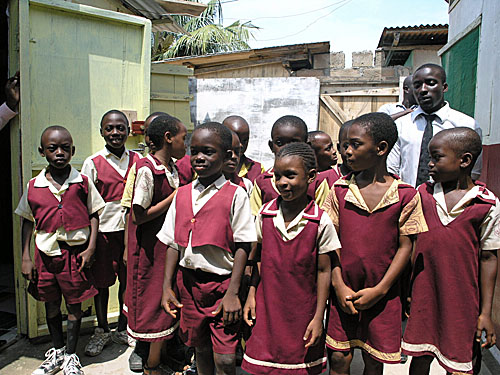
(343, 345)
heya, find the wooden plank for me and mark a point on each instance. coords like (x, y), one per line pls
(393, 91)
(169, 96)
(245, 64)
(336, 110)
(161, 68)
(182, 7)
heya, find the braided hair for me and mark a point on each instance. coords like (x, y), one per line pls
(302, 150)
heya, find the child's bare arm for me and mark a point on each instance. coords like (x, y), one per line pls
(141, 215)
(168, 295)
(125, 238)
(488, 276)
(315, 327)
(231, 305)
(27, 268)
(342, 291)
(366, 298)
(249, 314)
(87, 255)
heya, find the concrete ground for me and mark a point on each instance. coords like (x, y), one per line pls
(23, 357)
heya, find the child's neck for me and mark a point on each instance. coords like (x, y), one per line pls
(376, 174)
(344, 169)
(164, 156)
(464, 183)
(209, 180)
(58, 176)
(325, 168)
(229, 176)
(118, 152)
(291, 209)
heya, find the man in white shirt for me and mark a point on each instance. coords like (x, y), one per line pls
(410, 156)
(409, 103)
(9, 108)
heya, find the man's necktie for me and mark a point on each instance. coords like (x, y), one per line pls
(423, 161)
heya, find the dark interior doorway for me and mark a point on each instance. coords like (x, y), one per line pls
(7, 288)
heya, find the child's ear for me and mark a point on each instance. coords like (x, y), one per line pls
(466, 160)
(100, 132)
(270, 144)
(382, 148)
(445, 87)
(73, 149)
(167, 137)
(311, 175)
(40, 150)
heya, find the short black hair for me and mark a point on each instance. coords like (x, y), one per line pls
(54, 127)
(235, 118)
(156, 114)
(439, 68)
(293, 121)
(312, 135)
(116, 112)
(223, 133)
(302, 150)
(462, 140)
(159, 126)
(380, 126)
(344, 127)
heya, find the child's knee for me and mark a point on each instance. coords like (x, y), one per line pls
(225, 363)
(339, 360)
(52, 309)
(74, 311)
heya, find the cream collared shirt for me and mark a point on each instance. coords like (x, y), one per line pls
(46, 241)
(490, 227)
(111, 219)
(326, 237)
(211, 258)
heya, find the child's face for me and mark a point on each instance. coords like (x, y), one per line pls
(362, 153)
(114, 130)
(291, 177)
(178, 142)
(342, 146)
(57, 148)
(231, 164)
(283, 135)
(149, 144)
(429, 89)
(207, 155)
(242, 131)
(325, 153)
(445, 164)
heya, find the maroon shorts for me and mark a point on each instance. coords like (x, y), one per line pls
(200, 293)
(59, 275)
(108, 258)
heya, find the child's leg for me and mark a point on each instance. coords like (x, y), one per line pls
(154, 354)
(122, 320)
(225, 364)
(204, 360)
(54, 323)
(73, 328)
(340, 362)
(372, 367)
(101, 308)
(421, 365)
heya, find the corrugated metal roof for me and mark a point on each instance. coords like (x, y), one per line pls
(150, 9)
(411, 35)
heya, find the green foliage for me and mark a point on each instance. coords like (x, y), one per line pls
(206, 34)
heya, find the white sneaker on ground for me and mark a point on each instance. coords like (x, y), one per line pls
(71, 365)
(54, 359)
(97, 342)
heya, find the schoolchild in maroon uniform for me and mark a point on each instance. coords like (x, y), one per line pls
(247, 167)
(108, 170)
(326, 156)
(231, 165)
(208, 229)
(343, 169)
(286, 129)
(295, 237)
(376, 215)
(62, 205)
(154, 190)
(455, 262)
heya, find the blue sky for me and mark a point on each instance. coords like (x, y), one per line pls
(349, 25)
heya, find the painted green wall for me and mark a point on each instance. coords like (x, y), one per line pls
(460, 63)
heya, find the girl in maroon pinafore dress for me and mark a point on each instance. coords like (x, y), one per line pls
(294, 275)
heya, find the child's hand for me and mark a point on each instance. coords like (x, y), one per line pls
(168, 297)
(249, 309)
(315, 330)
(344, 293)
(231, 307)
(125, 255)
(485, 324)
(28, 270)
(87, 258)
(366, 298)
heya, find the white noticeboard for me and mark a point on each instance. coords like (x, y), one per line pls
(261, 101)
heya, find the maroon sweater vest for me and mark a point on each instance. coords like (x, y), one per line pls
(369, 240)
(255, 169)
(331, 175)
(71, 212)
(211, 225)
(186, 172)
(264, 182)
(237, 180)
(110, 184)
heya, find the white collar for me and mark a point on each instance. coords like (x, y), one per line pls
(73, 178)
(108, 154)
(441, 113)
(218, 184)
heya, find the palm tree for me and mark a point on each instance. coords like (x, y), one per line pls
(206, 34)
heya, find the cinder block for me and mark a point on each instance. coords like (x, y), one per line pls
(337, 60)
(379, 58)
(362, 59)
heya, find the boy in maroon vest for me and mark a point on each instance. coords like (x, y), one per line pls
(208, 229)
(63, 207)
(108, 170)
(376, 215)
(231, 166)
(455, 262)
(247, 167)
